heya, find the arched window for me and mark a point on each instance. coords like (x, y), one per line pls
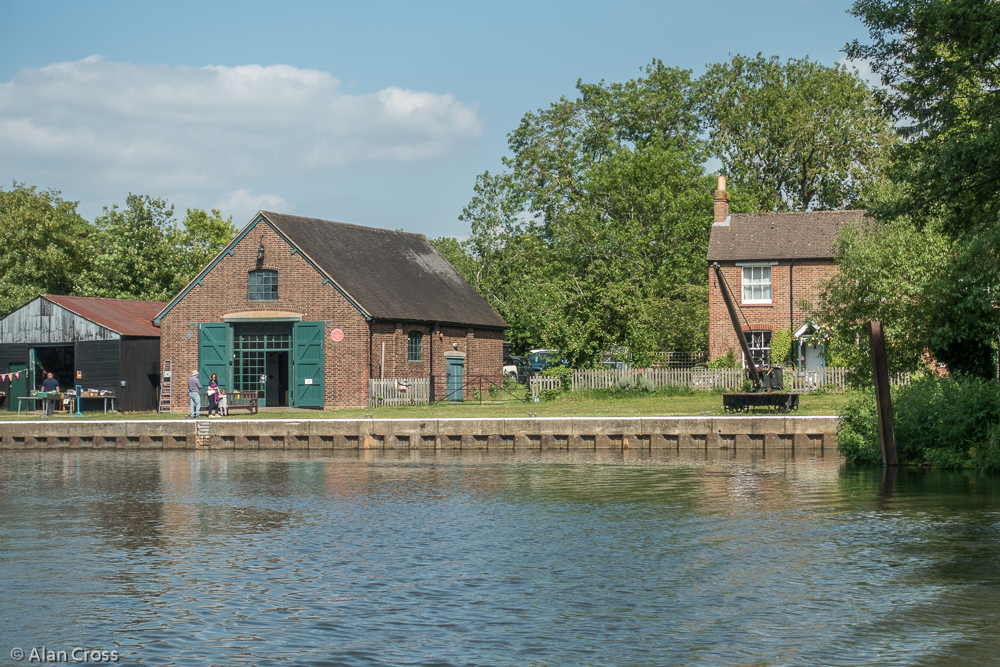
(262, 285)
(416, 346)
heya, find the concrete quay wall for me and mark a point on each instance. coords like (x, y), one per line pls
(539, 433)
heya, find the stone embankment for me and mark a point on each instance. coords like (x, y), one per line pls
(539, 433)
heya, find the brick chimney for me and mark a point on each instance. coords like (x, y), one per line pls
(721, 199)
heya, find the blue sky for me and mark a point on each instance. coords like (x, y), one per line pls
(377, 113)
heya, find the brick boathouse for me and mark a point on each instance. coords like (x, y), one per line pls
(306, 311)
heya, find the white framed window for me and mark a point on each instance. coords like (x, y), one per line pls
(760, 346)
(757, 284)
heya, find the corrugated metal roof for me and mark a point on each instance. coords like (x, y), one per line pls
(776, 236)
(126, 317)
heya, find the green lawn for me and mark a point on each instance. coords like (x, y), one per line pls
(567, 405)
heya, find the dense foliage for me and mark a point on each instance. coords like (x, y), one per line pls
(794, 136)
(594, 234)
(931, 268)
(137, 252)
(942, 422)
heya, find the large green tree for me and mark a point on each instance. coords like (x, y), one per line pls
(794, 135)
(42, 240)
(197, 241)
(132, 253)
(940, 64)
(602, 209)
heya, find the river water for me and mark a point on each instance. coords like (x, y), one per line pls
(278, 558)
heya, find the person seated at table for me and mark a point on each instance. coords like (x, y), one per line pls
(49, 384)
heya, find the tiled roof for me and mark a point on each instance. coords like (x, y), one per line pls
(777, 236)
(392, 275)
(123, 316)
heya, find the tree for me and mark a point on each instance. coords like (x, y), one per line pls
(940, 63)
(42, 240)
(602, 209)
(202, 237)
(793, 136)
(884, 271)
(132, 253)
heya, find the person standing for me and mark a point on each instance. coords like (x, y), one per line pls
(194, 389)
(49, 385)
(213, 396)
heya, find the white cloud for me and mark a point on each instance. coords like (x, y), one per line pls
(243, 205)
(167, 129)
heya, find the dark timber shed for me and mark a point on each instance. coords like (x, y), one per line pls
(103, 344)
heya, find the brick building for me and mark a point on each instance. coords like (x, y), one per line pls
(305, 311)
(772, 262)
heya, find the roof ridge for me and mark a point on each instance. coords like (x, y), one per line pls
(337, 222)
(837, 210)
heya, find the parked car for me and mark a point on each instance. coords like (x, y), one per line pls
(517, 368)
(540, 359)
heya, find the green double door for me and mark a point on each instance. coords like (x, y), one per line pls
(244, 357)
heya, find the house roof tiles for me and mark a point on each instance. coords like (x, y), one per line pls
(778, 236)
(392, 275)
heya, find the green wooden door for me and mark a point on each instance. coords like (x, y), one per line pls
(213, 353)
(307, 364)
(18, 385)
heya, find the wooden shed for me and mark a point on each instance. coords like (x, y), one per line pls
(103, 344)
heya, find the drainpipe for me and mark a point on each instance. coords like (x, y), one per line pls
(430, 367)
(791, 299)
(371, 332)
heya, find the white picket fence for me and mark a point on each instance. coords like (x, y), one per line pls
(401, 391)
(731, 379)
(539, 384)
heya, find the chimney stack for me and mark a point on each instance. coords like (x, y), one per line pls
(721, 199)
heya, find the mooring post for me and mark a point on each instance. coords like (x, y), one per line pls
(883, 399)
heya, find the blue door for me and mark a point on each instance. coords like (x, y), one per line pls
(456, 368)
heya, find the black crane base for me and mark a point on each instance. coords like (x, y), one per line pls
(779, 402)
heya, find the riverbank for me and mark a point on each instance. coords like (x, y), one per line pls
(791, 433)
(582, 404)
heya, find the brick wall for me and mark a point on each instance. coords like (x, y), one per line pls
(791, 282)
(301, 291)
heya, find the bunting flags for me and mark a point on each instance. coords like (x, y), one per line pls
(7, 376)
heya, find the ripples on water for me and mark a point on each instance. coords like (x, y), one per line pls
(180, 558)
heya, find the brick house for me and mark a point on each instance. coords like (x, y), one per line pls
(305, 311)
(772, 262)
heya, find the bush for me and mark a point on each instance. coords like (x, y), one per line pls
(565, 376)
(948, 423)
(781, 346)
(726, 361)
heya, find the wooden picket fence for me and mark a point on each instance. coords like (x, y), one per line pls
(726, 379)
(399, 391)
(539, 384)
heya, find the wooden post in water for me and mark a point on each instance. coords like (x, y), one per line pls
(883, 399)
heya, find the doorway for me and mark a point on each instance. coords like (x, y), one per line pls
(58, 360)
(276, 387)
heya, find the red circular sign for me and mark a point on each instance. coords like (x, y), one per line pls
(337, 335)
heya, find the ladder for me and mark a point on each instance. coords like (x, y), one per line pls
(166, 377)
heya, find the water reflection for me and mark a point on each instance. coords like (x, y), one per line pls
(482, 558)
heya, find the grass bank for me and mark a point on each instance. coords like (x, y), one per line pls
(593, 404)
